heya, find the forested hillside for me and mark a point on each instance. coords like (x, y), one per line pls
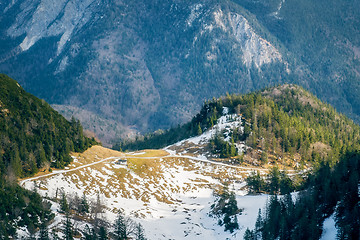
(33, 137)
(284, 122)
(330, 191)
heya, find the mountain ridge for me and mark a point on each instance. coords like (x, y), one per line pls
(119, 62)
(284, 122)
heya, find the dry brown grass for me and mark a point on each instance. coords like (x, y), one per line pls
(143, 177)
(149, 153)
(145, 167)
(95, 153)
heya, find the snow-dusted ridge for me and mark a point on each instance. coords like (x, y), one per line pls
(224, 126)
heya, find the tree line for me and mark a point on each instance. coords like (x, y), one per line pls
(281, 121)
(74, 209)
(329, 191)
(33, 137)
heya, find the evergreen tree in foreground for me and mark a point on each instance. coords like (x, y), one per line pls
(124, 227)
(68, 229)
(226, 208)
(139, 232)
(329, 190)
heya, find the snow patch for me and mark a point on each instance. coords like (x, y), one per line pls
(225, 124)
(195, 12)
(329, 229)
(187, 183)
(139, 153)
(277, 12)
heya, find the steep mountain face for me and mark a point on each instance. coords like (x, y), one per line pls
(150, 64)
(324, 37)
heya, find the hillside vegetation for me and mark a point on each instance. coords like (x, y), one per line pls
(284, 122)
(330, 192)
(33, 137)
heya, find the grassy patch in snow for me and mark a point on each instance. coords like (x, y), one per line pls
(149, 153)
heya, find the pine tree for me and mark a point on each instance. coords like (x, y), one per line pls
(54, 235)
(249, 235)
(84, 205)
(97, 208)
(89, 234)
(103, 233)
(199, 130)
(264, 157)
(226, 207)
(274, 180)
(64, 206)
(41, 155)
(124, 227)
(15, 162)
(233, 150)
(44, 233)
(68, 229)
(139, 232)
(258, 225)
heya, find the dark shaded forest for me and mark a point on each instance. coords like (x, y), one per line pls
(329, 191)
(33, 137)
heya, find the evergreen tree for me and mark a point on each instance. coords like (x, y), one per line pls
(124, 227)
(15, 162)
(68, 229)
(255, 182)
(54, 235)
(89, 234)
(226, 207)
(233, 150)
(249, 235)
(274, 180)
(264, 157)
(84, 205)
(64, 206)
(139, 232)
(258, 226)
(103, 235)
(199, 130)
(44, 233)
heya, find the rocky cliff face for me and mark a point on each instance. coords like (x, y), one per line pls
(142, 65)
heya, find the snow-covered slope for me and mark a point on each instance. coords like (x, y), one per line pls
(168, 194)
(198, 146)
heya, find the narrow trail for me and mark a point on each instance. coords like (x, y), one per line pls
(171, 155)
(215, 163)
(22, 182)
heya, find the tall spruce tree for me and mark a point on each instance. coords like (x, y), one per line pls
(68, 229)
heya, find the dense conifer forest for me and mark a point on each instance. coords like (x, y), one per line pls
(33, 138)
(329, 191)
